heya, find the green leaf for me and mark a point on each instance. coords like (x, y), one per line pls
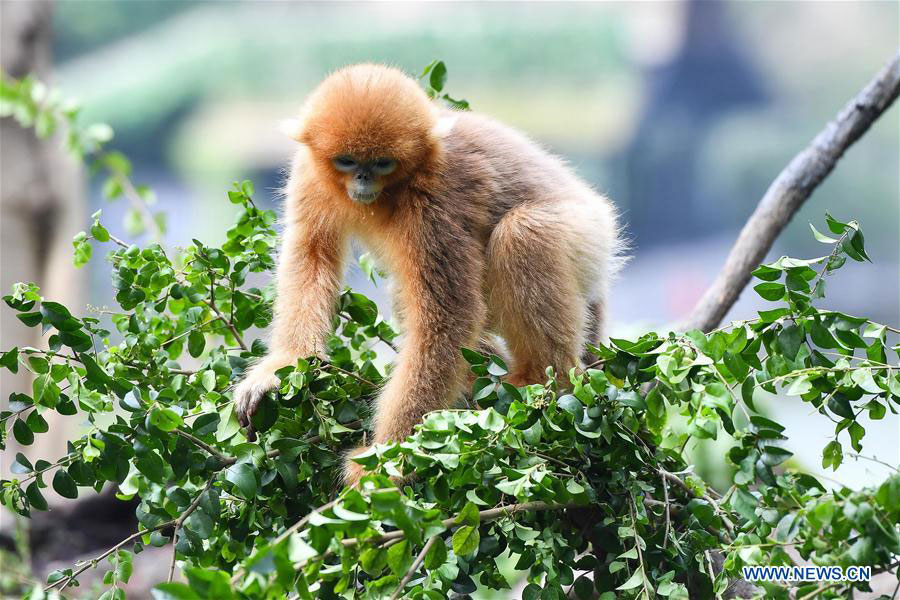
(165, 419)
(228, 424)
(744, 503)
(832, 455)
(21, 464)
(99, 232)
(770, 291)
(469, 515)
(636, 579)
(465, 540)
(374, 560)
(571, 404)
(767, 273)
(10, 360)
(36, 423)
(584, 588)
(208, 380)
(857, 242)
(348, 515)
(173, 591)
(179, 497)
(821, 237)
(857, 432)
(438, 76)
(789, 340)
(200, 523)
(774, 455)
(834, 225)
(799, 386)
(64, 484)
(243, 476)
(788, 528)
(196, 343)
(399, 557)
(436, 555)
(35, 498)
(22, 433)
(532, 591)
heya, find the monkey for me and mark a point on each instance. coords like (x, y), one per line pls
(483, 232)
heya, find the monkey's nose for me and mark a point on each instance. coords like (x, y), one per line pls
(363, 177)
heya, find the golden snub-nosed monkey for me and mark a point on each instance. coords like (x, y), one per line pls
(483, 232)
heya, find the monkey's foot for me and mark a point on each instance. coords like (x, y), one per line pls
(353, 471)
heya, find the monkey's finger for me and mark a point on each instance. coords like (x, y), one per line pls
(240, 412)
(253, 401)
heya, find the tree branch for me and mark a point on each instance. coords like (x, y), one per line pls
(489, 514)
(790, 190)
(180, 522)
(65, 581)
(415, 567)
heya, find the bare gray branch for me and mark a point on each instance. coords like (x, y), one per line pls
(790, 190)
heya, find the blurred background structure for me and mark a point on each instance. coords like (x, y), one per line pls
(682, 112)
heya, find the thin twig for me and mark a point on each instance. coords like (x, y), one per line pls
(188, 332)
(138, 203)
(350, 374)
(180, 522)
(211, 303)
(415, 567)
(200, 443)
(874, 460)
(668, 516)
(287, 532)
(88, 564)
(490, 514)
(678, 481)
(632, 509)
(120, 242)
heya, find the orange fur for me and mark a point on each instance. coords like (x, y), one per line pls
(483, 232)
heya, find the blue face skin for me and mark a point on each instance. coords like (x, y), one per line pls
(364, 183)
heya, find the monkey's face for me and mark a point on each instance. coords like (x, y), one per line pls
(364, 179)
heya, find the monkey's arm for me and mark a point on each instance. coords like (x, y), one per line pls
(444, 310)
(308, 280)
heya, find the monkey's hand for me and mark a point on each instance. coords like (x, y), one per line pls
(258, 382)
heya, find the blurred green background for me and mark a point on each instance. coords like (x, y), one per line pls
(682, 112)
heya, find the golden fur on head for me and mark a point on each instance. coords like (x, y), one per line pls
(370, 111)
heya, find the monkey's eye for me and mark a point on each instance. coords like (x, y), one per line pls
(344, 163)
(383, 166)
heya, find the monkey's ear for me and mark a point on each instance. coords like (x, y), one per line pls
(444, 126)
(293, 128)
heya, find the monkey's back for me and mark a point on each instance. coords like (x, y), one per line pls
(505, 169)
(505, 174)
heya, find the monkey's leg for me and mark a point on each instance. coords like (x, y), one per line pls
(534, 294)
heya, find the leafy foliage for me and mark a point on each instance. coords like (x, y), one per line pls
(582, 490)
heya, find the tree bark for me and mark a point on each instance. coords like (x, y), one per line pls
(790, 190)
(42, 206)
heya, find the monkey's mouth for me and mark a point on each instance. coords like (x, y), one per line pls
(363, 196)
